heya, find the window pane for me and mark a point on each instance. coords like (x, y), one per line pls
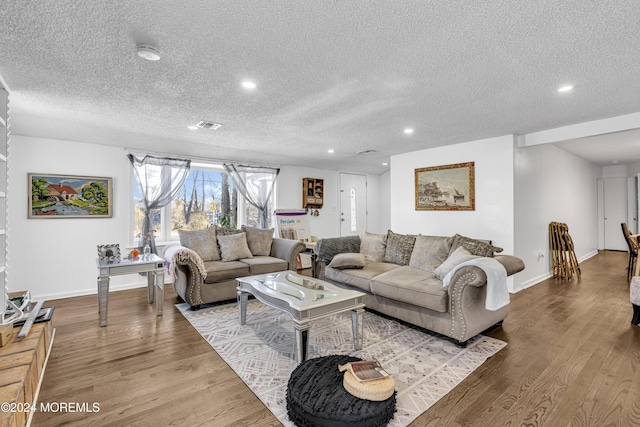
(138, 215)
(156, 219)
(206, 199)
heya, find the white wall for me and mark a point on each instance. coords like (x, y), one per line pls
(385, 202)
(289, 196)
(55, 257)
(493, 217)
(553, 185)
(327, 224)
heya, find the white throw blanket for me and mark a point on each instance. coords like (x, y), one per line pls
(175, 253)
(497, 292)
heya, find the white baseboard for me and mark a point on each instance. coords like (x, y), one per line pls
(90, 291)
(549, 274)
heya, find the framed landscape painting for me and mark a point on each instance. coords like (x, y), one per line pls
(69, 196)
(446, 188)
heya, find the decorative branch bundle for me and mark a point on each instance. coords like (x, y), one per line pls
(563, 257)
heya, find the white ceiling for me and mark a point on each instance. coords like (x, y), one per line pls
(347, 75)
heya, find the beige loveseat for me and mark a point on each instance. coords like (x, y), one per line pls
(402, 276)
(206, 263)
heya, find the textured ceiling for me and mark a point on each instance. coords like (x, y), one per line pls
(347, 75)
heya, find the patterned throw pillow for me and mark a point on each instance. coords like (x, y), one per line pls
(223, 231)
(373, 246)
(234, 247)
(203, 242)
(476, 247)
(259, 240)
(399, 248)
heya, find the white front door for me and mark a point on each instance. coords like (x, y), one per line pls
(353, 204)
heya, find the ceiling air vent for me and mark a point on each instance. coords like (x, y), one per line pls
(208, 125)
(365, 152)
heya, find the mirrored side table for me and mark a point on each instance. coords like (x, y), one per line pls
(153, 265)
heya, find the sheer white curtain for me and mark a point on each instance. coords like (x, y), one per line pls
(160, 179)
(256, 184)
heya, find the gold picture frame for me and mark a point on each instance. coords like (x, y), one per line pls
(446, 188)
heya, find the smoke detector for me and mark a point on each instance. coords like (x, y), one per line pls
(148, 52)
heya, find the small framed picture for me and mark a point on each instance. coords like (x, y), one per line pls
(109, 252)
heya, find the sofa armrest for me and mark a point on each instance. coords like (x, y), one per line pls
(467, 298)
(187, 270)
(511, 263)
(287, 249)
(326, 249)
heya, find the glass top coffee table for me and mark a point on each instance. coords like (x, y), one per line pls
(305, 299)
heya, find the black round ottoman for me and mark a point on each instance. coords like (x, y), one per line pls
(316, 397)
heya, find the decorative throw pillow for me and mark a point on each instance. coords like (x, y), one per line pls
(203, 242)
(476, 247)
(373, 246)
(223, 231)
(234, 247)
(348, 260)
(429, 252)
(259, 240)
(399, 247)
(458, 256)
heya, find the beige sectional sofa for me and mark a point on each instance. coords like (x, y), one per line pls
(404, 277)
(206, 263)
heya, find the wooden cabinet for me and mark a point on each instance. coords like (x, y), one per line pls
(312, 193)
(22, 365)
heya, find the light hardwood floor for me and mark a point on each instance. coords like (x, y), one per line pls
(572, 359)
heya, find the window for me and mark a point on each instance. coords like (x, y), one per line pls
(208, 198)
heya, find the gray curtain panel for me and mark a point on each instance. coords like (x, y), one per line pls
(160, 179)
(255, 183)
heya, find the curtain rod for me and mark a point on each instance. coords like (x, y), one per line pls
(195, 158)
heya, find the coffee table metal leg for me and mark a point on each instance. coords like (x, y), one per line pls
(242, 304)
(357, 317)
(302, 341)
(103, 299)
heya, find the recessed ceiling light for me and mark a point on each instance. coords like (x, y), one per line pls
(192, 127)
(385, 164)
(408, 131)
(565, 88)
(148, 52)
(248, 84)
(331, 151)
(615, 162)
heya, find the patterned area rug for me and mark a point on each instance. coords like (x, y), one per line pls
(424, 367)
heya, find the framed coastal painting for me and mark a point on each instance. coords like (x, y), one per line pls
(69, 196)
(446, 188)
